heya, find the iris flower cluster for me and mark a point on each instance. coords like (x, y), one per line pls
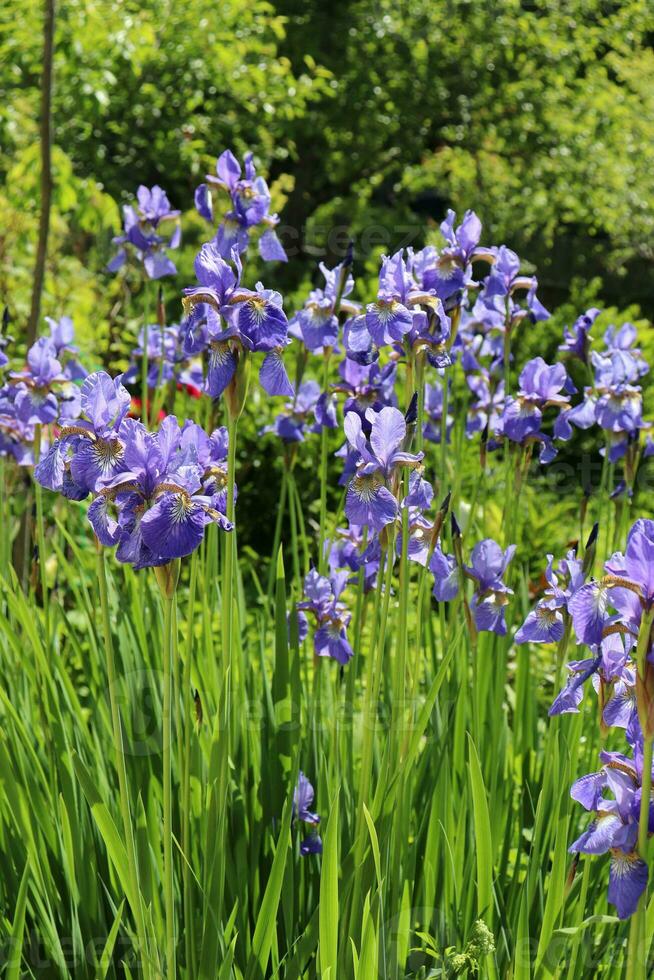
(612, 617)
(44, 390)
(153, 493)
(143, 233)
(614, 401)
(227, 322)
(250, 208)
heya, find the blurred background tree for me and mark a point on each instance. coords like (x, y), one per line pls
(372, 117)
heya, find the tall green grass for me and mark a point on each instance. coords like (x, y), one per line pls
(442, 785)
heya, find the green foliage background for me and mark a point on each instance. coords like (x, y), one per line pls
(371, 117)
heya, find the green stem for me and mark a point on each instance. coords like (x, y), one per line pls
(167, 788)
(420, 386)
(637, 955)
(228, 577)
(295, 548)
(301, 527)
(322, 558)
(443, 444)
(144, 374)
(373, 682)
(128, 832)
(399, 686)
(186, 778)
(40, 530)
(278, 536)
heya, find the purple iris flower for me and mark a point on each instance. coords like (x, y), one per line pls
(366, 386)
(164, 495)
(576, 341)
(446, 575)
(404, 312)
(545, 623)
(390, 318)
(294, 421)
(614, 827)
(622, 594)
(421, 529)
(622, 340)
(42, 390)
(322, 600)
(348, 552)
(165, 355)
(88, 450)
(228, 321)
(62, 335)
(488, 562)
(16, 437)
(503, 283)
(448, 272)
(316, 324)
(312, 844)
(621, 708)
(615, 401)
(487, 409)
(141, 233)
(541, 386)
(430, 333)
(250, 208)
(369, 501)
(302, 800)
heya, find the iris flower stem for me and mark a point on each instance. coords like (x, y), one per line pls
(369, 706)
(167, 787)
(322, 558)
(579, 917)
(128, 831)
(144, 362)
(229, 570)
(637, 964)
(294, 534)
(443, 446)
(373, 682)
(643, 822)
(301, 527)
(637, 953)
(480, 482)
(278, 536)
(507, 347)
(186, 775)
(4, 543)
(399, 680)
(40, 531)
(420, 387)
(353, 670)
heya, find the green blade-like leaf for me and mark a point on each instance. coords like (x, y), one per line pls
(328, 949)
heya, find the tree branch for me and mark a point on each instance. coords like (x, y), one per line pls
(46, 169)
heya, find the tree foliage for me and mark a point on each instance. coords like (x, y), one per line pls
(373, 117)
